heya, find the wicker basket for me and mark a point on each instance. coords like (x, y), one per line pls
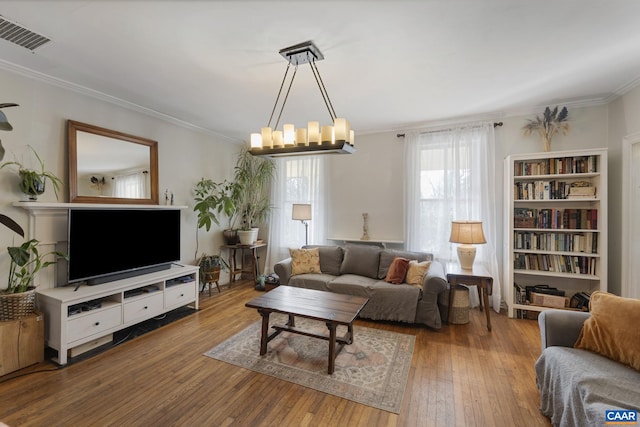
(17, 306)
(460, 305)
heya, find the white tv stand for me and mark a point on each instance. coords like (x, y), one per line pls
(76, 317)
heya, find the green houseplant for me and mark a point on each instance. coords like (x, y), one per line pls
(32, 181)
(254, 176)
(213, 200)
(18, 299)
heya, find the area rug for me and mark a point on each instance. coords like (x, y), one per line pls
(372, 371)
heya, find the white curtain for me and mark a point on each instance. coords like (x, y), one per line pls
(298, 180)
(131, 185)
(450, 176)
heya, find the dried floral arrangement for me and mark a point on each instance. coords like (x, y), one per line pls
(551, 122)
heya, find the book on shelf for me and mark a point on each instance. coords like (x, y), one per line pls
(552, 263)
(556, 166)
(556, 242)
(552, 218)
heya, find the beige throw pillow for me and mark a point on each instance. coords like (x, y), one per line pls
(612, 329)
(416, 272)
(305, 261)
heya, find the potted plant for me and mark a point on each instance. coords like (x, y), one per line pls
(210, 267)
(32, 181)
(18, 299)
(214, 200)
(254, 176)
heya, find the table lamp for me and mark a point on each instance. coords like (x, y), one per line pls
(467, 233)
(302, 212)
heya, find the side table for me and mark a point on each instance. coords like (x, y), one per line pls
(478, 276)
(234, 270)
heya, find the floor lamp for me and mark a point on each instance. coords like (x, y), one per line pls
(302, 212)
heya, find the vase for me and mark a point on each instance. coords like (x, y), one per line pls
(230, 237)
(247, 237)
(546, 143)
(31, 185)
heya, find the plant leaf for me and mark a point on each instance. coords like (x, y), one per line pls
(11, 224)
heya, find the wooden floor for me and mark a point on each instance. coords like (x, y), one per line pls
(461, 375)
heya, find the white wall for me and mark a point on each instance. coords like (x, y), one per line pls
(185, 155)
(371, 180)
(624, 119)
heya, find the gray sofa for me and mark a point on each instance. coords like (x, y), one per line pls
(577, 386)
(358, 269)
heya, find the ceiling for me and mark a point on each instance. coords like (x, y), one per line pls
(389, 65)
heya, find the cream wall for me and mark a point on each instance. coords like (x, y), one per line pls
(624, 119)
(371, 180)
(185, 155)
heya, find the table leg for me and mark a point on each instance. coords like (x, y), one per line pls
(452, 285)
(264, 337)
(232, 266)
(485, 297)
(332, 347)
(254, 260)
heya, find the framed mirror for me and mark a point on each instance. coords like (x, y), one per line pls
(107, 166)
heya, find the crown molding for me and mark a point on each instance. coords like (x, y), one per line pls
(53, 81)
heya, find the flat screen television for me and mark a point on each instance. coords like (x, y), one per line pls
(111, 244)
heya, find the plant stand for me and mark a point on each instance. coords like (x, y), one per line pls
(21, 343)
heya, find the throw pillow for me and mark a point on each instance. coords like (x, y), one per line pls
(417, 271)
(387, 256)
(330, 258)
(397, 270)
(305, 261)
(362, 260)
(612, 329)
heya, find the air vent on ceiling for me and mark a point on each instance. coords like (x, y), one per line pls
(21, 36)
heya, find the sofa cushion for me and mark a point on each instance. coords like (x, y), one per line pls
(612, 329)
(330, 258)
(304, 261)
(362, 260)
(416, 272)
(397, 271)
(316, 281)
(387, 256)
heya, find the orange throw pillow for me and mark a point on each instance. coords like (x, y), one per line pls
(397, 270)
(612, 329)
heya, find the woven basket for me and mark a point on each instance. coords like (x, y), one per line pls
(17, 306)
(460, 306)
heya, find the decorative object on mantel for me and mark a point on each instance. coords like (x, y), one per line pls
(548, 125)
(365, 226)
(336, 139)
(32, 182)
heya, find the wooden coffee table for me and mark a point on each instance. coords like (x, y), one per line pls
(333, 309)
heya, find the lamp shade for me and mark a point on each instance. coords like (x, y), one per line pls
(467, 232)
(301, 212)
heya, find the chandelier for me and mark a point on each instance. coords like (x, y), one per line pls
(337, 138)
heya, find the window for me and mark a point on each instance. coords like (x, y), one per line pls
(298, 180)
(450, 176)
